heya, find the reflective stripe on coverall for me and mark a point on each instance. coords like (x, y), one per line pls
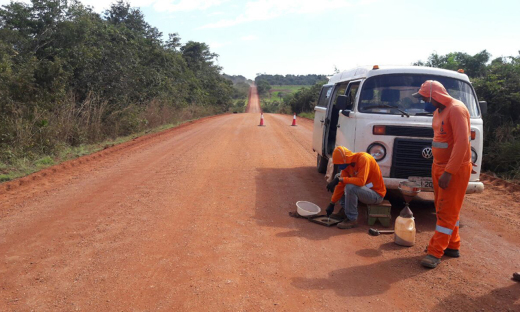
(451, 153)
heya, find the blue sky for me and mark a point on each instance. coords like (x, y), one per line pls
(314, 37)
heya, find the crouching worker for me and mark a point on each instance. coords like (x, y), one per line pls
(360, 180)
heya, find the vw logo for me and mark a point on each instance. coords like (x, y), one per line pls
(427, 153)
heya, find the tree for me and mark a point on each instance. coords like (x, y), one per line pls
(474, 66)
(173, 42)
(60, 58)
(198, 55)
(263, 87)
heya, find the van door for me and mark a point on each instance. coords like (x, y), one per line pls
(346, 134)
(331, 122)
(319, 119)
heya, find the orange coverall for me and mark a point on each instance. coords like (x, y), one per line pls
(451, 153)
(366, 171)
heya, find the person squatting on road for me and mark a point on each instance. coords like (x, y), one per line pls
(360, 179)
(451, 168)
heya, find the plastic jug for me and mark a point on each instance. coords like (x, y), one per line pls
(404, 234)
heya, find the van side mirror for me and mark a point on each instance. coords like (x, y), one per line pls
(346, 112)
(341, 102)
(483, 107)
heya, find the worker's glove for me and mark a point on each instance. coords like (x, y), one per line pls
(330, 209)
(332, 185)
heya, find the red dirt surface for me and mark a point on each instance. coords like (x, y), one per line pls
(196, 219)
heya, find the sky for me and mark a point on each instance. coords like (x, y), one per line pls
(302, 37)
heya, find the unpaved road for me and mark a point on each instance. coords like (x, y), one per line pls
(196, 219)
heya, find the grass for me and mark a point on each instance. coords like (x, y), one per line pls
(309, 115)
(23, 166)
(289, 89)
(272, 103)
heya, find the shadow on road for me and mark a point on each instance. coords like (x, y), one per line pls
(278, 190)
(365, 280)
(500, 299)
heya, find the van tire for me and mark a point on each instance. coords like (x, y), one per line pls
(321, 164)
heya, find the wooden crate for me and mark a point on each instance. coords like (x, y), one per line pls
(380, 212)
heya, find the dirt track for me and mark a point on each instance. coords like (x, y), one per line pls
(196, 219)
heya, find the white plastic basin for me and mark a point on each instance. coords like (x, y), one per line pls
(305, 208)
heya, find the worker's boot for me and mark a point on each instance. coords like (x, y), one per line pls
(454, 253)
(430, 262)
(347, 224)
(340, 215)
(516, 276)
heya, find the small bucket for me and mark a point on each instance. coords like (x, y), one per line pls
(306, 209)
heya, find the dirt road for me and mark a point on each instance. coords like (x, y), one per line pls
(196, 219)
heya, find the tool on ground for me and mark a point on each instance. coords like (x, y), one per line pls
(294, 120)
(375, 232)
(261, 119)
(404, 223)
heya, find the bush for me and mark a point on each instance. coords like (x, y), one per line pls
(70, 76)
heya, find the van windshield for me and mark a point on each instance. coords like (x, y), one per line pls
(379, 93)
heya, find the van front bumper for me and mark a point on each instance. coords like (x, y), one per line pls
(473, 187)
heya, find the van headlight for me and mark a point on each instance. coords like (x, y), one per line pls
(474, 155)
(377, 151)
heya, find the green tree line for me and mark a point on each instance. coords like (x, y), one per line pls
(295, 80)
(69, 76)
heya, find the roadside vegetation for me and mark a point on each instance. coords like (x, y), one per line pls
(289, 99)
(240, 95)
(71, 77)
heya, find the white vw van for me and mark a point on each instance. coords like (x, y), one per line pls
(373, 111)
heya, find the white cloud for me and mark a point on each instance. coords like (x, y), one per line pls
(216, 13)
(185, 5)
(269, 9)
(216, 45)
(249, 38)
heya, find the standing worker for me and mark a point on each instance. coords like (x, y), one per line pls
(360, 179)
(451, 168)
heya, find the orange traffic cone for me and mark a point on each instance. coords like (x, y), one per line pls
(294, 120)
(261, 119)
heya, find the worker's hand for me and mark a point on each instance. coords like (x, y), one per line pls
(332, 185)
(444, 180)
(330, 209)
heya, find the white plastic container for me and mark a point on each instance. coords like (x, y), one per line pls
(404, 234)
(305, 208)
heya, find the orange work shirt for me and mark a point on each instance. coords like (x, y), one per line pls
(451, 141)
(365, 172)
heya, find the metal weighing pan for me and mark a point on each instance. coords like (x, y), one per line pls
(324, 220)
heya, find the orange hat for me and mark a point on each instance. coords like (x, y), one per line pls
(434, 89)
(341, 155)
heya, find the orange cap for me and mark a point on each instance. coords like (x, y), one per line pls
(340, 155)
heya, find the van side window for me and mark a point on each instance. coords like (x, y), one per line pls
(324, 96)
(340, 90)
(351, 94)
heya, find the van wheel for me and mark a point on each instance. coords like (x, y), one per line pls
(321, 164)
